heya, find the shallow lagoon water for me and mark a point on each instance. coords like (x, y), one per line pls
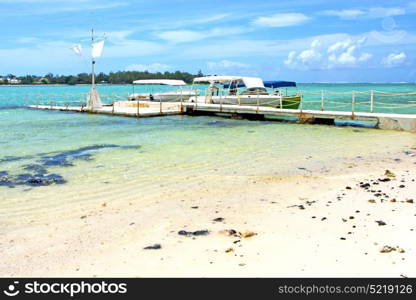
(93, 155)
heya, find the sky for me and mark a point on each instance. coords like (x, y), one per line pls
(303, 40)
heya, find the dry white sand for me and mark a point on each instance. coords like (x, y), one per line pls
(310, 225)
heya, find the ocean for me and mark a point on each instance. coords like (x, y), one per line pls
(54, 159)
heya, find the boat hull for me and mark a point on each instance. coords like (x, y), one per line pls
(164, 97)
(284, 102)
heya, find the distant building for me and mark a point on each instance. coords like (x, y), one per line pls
(10, 80)
(14, 81)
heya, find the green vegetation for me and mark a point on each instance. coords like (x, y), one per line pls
(121, 77)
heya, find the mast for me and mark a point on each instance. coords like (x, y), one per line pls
(92, 61)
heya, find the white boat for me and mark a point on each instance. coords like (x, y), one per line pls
(255, 92)
(169, 96)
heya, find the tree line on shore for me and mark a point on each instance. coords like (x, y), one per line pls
(120, 77)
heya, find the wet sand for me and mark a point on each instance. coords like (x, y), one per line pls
(361, 223)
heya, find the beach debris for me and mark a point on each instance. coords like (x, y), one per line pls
(323, 219)
(193, 233)
(247, 234)
(218, 219)
(384, 179)
(393, 200)
(194, 207)
(83, 217)
(387, 249)
(390, 174)
(301, 207)
(381, 223)
(351, 217)
(402, 186)
(241, 265)
(234, 233)
(365, 185)
(400, 250)
(372, 201)
(153, 247)
(343, 238)
(348, 188)
(229, 250)
(229, 232)
(409, 201)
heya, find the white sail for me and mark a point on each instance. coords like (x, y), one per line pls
(77, 48)
(97, 49)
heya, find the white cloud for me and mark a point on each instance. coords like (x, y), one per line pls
(186, 36)
(345, 13)
(365, 56)
(307, 59)
(281, 20)
(394, 60)
(225, 64)
(383, 12)
(229, 67)
(44, 7)
(181, 36)
(154, 67)
(373, 12)
(339, 54)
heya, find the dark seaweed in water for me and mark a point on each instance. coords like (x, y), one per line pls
(39, 176)
(27, 179)
(38, 169)
(62, 158)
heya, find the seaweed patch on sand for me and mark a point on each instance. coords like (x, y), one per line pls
(38, 173)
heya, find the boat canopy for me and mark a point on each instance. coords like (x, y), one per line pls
(160, 82)
(239, 81)
(217, 79)
(278, 84)
(253, 82)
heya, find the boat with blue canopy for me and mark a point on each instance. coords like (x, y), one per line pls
(242, 90)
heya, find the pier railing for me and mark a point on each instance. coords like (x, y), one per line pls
(372, 101)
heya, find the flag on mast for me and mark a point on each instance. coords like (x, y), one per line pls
(77, 48)
(97, 49)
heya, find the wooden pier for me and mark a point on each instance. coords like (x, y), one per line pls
(405, 122)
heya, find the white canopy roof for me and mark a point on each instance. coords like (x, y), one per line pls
(249, 82)
(172, 82)
(217, 79)
(253, 82)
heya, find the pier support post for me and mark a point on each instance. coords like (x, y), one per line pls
(138, 108)
(181, 102)
(372, 101)
(353, 105)
(221, 102)
(322, 100)
(258, 103)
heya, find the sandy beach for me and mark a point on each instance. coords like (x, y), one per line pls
(360, 223)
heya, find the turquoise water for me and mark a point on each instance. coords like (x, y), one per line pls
(53, 159)
(338, 98)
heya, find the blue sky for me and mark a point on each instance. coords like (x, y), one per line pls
(303, 40)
